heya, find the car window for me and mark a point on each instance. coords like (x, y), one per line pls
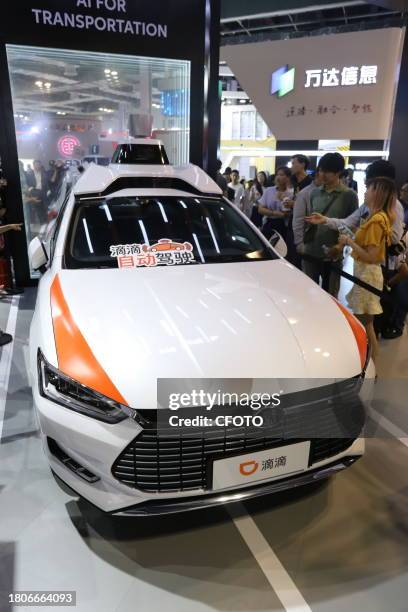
(170, 230)
(140, 154)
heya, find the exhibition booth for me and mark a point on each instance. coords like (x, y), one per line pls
(311, 95)
(202, 382)
(80, 76)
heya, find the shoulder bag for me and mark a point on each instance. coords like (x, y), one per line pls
(310, 230)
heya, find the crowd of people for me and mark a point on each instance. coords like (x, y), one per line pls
(43, 188)
(320, 217)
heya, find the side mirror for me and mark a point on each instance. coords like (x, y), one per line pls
(37, 255)
(278, 243)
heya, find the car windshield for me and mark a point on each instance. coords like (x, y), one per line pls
(157, 231)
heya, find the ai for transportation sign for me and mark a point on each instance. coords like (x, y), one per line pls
(105, 16)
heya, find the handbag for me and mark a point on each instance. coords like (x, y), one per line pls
(394, 250)
(310, 230)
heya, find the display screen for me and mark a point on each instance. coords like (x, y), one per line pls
(170, 230)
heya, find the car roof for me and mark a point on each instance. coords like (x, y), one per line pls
(101, 180)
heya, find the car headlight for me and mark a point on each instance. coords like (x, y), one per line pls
(60, 388)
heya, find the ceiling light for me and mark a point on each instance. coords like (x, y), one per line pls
(39, 83)
(47, 85)
(107, 71)
(114, 73)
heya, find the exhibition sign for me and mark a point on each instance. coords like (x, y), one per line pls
(117, 22)
(322, 87)
(143, 28)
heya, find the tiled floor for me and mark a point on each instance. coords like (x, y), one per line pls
(343, 543)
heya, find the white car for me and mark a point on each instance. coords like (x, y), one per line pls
(153, 282)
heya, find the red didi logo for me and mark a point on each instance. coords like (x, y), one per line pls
(67, 144)
(248, 468)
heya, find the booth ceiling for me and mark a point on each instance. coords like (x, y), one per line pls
(58, 83)
(255, 18)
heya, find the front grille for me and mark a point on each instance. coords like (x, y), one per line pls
(163, 461)
(328, 447)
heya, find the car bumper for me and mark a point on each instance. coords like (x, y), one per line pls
(171, 506)
(95, 446)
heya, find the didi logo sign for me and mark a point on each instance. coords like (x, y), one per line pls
(248, 468)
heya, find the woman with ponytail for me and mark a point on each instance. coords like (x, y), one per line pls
(369, 248)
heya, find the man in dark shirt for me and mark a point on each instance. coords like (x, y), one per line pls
(300, 180)
(300, 177)
(220, 179)
(350, 182)
(228, 177)
(37, 183)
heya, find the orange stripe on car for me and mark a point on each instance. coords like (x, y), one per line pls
(75, 358)
(358, 330)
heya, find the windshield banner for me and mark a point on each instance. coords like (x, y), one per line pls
(165, 252)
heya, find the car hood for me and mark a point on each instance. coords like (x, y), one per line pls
(257, 320)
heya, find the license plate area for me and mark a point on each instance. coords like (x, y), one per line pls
(269, 464)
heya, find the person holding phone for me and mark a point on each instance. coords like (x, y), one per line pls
(276, 204)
